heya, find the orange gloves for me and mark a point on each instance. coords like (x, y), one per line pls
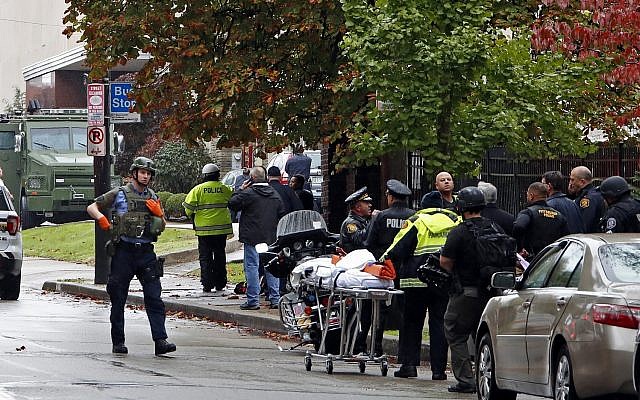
(155, 207)
(104, 223)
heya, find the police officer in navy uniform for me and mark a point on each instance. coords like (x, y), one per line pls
(353, 231)
(623, 214)
(538, 225)
(588, 199)
(138, 220)
(387, 223)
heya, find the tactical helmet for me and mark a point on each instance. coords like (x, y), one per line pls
(614, 186)
(470, 197)
(210, 169)
(143, 163)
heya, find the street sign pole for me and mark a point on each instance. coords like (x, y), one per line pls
(102, 184)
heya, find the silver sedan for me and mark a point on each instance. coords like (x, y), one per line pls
(566, 330)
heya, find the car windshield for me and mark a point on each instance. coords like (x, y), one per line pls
(621, 261)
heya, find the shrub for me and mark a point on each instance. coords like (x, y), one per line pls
(179, 167)
(164, 196)
(173, 207)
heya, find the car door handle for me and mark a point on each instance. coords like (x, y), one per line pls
(526, 304)
(561, 302)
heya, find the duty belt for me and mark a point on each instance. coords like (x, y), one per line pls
(135, 246)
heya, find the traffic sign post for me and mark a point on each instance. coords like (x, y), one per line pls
(120, 104)
(95, 104)
(98, 145)
(96, 141)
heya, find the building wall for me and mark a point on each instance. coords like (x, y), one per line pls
(30, 31)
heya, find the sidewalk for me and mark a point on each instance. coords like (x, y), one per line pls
(182, 293)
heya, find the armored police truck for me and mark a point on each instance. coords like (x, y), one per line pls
(46, 166)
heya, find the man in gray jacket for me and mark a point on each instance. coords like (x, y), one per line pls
(261, 208)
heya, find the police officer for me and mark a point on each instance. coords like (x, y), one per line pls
(465, 306)
(353, 231)
(387, 223)
(623, 214)
(137, 222)
(206, 206)
(422, 235)
(588, 199)
(538, 225)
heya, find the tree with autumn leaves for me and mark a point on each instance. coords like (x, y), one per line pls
(605, 35)
(448, 77)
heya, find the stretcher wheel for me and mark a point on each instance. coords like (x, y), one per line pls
(363, 366)
(307, 363)
(329, 365)
(384, 367)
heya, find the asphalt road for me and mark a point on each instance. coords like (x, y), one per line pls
(57, 347)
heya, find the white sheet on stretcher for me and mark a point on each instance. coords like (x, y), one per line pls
(321, 272)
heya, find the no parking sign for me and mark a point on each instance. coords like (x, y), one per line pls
(96, 144)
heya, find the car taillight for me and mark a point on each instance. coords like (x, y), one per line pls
(13, 224)
(616, 315)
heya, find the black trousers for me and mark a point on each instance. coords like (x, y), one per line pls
(366, 319)
(127, 262)
(416, 303)
(213, 261)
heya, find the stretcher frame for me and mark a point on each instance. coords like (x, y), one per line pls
(349, 324)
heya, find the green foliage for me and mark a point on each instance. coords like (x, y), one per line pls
(179, 166)
(75, 242)
(448, 83)
(163, 196)
(173, 206)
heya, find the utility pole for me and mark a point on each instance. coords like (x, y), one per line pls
(102, 184)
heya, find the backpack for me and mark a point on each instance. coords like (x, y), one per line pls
(495, 251)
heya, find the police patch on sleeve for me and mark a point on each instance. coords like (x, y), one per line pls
(405, 224)
(351, 228)
(584, 203)
(611, 223)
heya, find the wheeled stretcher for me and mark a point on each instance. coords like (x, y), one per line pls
(344, 317)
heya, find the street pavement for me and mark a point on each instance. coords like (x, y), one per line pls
(182, 292)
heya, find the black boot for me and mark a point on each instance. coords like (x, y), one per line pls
(406, 371)
(119, 348)
(163, 347)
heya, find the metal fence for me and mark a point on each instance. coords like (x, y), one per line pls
(513, 176)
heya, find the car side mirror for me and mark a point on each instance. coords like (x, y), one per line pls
(503, 280)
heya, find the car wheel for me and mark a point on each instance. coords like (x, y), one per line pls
(563, 388)
(10, 287)
(485, 373)
(29, 219)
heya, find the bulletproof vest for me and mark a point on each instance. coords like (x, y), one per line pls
(545, 227)
(137, 222)
(631, 209)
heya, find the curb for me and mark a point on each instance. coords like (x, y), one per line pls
(249, 319)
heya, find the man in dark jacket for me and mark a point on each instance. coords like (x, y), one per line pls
(491, 210)
(623, 213)
(296, 182)
(289, 198)
(261, 208)
(538, 225)
(443, 196)
(588, 199)
(353, 231)
(299, 164)
(560, 201)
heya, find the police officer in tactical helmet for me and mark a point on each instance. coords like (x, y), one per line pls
(623, 214)
(465, 306)
(137, 222)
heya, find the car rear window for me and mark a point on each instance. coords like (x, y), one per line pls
(621, 261)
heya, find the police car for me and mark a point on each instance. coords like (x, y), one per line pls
(10, 248)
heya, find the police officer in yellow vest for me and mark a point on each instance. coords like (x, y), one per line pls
(206, 206)
(138, 220)
(422, 234)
